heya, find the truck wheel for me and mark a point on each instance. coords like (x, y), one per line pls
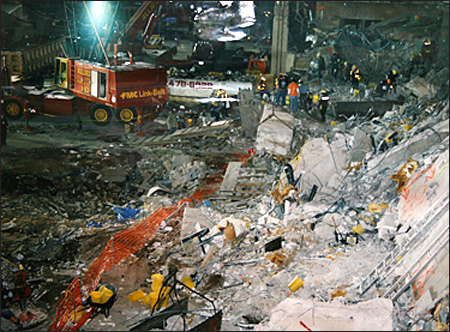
(127, 115)
(101, 115)
(14, 110)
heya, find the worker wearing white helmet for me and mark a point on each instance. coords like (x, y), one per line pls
(323, 103)
(263, 89)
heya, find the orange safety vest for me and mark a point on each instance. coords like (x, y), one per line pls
(293, 89)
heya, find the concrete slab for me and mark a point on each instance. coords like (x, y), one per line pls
(275, 131)
(295, 314)
(319, 161)
(231, 176)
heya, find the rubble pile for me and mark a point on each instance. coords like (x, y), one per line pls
(379, 48)
(291, 235)
(355, 193)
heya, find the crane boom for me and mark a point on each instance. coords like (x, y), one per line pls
(139, 20)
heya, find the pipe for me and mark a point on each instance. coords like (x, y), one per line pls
(131, 57)
(115, 54)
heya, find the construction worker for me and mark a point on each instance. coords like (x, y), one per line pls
(293, 96)
(336, 65)
(263, 90)
(428, 50)
(172, 123)
(392, 76)
(225, 104)
(281, 85)
(323, 103)
(181, 119)
(382, 88)
(303, 92)
(4, 129)
(346, 71)
(7, 297)
(355, 77)
(219, 107)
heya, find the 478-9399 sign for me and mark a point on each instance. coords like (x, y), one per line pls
(190, 84)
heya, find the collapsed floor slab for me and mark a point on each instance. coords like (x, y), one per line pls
(305, 315)
(275, 131)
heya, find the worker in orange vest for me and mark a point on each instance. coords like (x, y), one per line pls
(293, 95)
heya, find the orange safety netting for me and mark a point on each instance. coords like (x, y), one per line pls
(68, 304)
(119, 247)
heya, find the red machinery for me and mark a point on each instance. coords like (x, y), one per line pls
(97, 90)
(102, 91)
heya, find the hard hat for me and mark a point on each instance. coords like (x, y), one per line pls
(263, 79)
(323, 92)
(394, 72)
(346, 63)
(354, 67)
(300, 81)
(182, 107)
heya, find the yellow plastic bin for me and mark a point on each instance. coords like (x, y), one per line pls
(187, 281)
(96, 297)
(153, 297)
(106, 294)
(295, 284)
(358, 229)
(157, 282)
(136, 296)
(146, 299)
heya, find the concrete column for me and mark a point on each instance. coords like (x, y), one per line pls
(280, 37)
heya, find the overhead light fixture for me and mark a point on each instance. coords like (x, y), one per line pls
(98, 9)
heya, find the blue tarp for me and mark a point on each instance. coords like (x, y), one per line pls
(125, 213)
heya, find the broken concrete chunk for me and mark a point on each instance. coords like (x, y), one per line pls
(334, 316)
(361, 144)
(319, 161)
(387, 226)
(324, 232)
(275, 131)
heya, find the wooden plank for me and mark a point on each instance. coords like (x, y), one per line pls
(231, 176)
